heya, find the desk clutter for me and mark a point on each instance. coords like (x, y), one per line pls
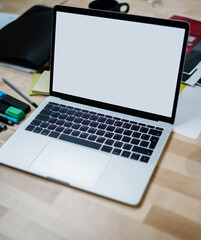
(26, 41)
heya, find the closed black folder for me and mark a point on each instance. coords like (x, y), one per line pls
(26, 41)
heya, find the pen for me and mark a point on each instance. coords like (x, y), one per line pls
(7, 119)
(3, 126)
(19, 92)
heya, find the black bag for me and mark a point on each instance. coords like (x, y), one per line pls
(26, 42)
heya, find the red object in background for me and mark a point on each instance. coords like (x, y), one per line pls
(195, 30)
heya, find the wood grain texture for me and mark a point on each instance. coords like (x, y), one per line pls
(35, 208)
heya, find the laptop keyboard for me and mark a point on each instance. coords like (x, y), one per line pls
(110, 134)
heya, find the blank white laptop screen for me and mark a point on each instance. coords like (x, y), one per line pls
(133, 65)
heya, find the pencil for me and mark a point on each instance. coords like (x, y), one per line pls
(19, 92)
(4, 119)
(3, 125)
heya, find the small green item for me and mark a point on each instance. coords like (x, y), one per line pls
(15, 113)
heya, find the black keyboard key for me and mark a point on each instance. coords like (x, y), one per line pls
(54, 134)
(63, 110)
(36, 122)
(118, 123)
(92, 130)
(144, 143)
(109, 142)
(100, 132)
(155, 132)
(86, 115)
(52, 120)
(84, 128)
(116, 151)
(84, 135)
(55, 114)
(158, 128)
(118, 144)
(45, 132)
(94, 117)
(92, 137)
(136, 134)
(145, 136)
(75, 133)
(102, 126)
(56, 108)
(59, 129)
(76, 126)
(126, 154)
(37, 130)
(68, 131)
(102, 119)
(127, 125)
(126, 139)
(127, 132)
(68, 124)
(86, 122)
(142, 150)
(144, 159)
(80, 141)
(106, 148)
(110, 121)
(101, 139)
(135, 141)
(135, 156)
(60, 122)
(52, 126)
(109, 134)
(144, 129)
(46, 112)
(78, 120)
(43, 117)
(154, 141)
(70, 112)
(78, 114)
(141, 124)
(117, 137)
(135, 127)
(30, 128)
(49, 106)
(119, 130)
(94, 124)
(70, 118)
(127, 146)
(110, 128)
(44, 124)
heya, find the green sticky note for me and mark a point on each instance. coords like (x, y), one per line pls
(15, 113)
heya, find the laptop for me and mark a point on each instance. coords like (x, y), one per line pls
(114, 88)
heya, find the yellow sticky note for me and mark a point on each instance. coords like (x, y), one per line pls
(43, 84)
(36, 76)
(182, 86)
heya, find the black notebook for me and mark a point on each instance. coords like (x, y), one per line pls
(26, 41)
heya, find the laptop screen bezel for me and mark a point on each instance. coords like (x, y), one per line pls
(125, 17)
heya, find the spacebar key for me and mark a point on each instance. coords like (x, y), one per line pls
(79, 141)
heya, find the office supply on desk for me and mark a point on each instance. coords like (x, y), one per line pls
(27, 46)
(7, 119)
(42, 86)
(36, 76)
(102, 128)
(3, 125)
(26, 107)
(11, 111)
(111, 5)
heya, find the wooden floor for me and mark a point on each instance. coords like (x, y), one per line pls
(34, 208)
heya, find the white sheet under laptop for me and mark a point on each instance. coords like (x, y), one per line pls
(119, 65)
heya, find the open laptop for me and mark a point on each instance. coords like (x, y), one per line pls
(114, 88)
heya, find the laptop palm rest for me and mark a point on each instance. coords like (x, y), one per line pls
(70, 163)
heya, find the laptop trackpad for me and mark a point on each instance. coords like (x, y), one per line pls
(70, 163)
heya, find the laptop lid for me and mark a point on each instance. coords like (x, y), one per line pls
(125, 63)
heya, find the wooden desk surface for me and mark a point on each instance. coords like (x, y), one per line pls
(35, 208)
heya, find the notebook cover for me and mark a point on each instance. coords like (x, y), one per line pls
(26, 41)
